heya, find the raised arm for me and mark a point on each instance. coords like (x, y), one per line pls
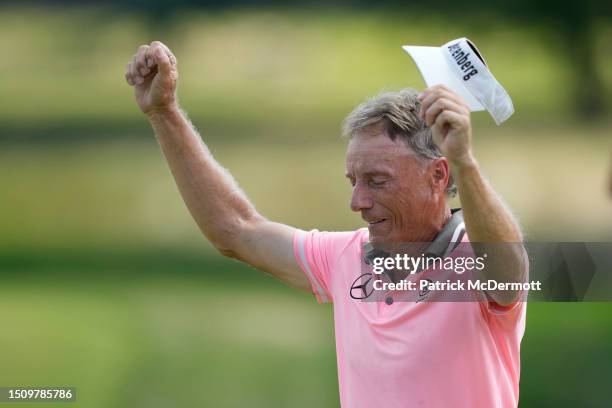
(487, 220)
(218, 205)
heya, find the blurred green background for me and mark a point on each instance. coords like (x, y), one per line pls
(106, 283)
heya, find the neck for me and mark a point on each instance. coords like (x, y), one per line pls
(435, 223)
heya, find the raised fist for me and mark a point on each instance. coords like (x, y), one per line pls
(154, 76)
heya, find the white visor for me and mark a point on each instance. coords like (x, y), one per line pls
(459, 65)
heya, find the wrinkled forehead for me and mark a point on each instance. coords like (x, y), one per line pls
(368, 151)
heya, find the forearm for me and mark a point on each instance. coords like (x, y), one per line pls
(212, 196)
(486, 217)
(492, 228)
(489, 224)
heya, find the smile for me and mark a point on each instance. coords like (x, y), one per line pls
(376, 222)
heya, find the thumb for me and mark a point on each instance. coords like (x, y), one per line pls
(163, 62)
(438, 133)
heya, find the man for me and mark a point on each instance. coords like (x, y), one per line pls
(402, 152)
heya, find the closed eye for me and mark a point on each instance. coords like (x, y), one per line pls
(377, 183)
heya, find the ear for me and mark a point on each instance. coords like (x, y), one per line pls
(439, 174)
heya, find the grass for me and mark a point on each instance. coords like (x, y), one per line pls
(166, 338)
(162, 340)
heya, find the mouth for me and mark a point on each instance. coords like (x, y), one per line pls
(376, 222)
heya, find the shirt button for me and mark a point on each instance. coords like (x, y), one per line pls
(389, 300)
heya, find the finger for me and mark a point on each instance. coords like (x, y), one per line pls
(439, 127)
(442, 88)
(140, 62)
(434, 92)
(431, 94)
(150, 56)
(445, 92)
(154, 57)
(169, 53)
(450, 100)
(429, 91)
(436, 88)
(137, 78)
(448, 119)
(150, 53)
(128, 74)
(440, 105)
(162, 59)
(170, 56)
(428, 97)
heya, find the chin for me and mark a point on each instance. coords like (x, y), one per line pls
(378, 239)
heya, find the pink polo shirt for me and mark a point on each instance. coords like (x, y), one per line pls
(408, 354)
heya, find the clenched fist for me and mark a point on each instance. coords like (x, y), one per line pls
(154, 76)
(448, 116)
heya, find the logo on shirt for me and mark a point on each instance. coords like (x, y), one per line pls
(359, 288)
(424, 293)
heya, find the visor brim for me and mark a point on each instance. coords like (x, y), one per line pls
(435, 70)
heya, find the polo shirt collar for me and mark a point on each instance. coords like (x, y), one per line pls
(443, 244)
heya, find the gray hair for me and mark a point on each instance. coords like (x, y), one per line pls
(398, 112)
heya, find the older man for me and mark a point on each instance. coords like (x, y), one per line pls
(402, 151)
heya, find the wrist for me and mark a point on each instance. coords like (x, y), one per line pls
(163, 113)
(468, 161)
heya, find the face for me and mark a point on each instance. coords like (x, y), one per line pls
(399, 195)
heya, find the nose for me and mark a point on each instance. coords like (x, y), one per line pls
(361, 198)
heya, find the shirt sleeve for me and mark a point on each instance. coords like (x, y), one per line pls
(509, 320)
(496, 309)
(315, 252)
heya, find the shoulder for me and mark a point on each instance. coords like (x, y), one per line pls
(333, 243)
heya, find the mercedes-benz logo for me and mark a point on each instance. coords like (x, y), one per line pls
(424, 293)
(359, 288)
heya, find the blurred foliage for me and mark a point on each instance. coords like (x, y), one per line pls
(574, 23)
(119, 193)
(106, 282)
(252, 72)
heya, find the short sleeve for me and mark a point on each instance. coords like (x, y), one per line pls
(318, 254)
(312, 251)
(508, 320)
(505, 317)
(496, 309)
(514, 310)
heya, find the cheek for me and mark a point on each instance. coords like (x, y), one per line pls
(413, 199)
(401, 204)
